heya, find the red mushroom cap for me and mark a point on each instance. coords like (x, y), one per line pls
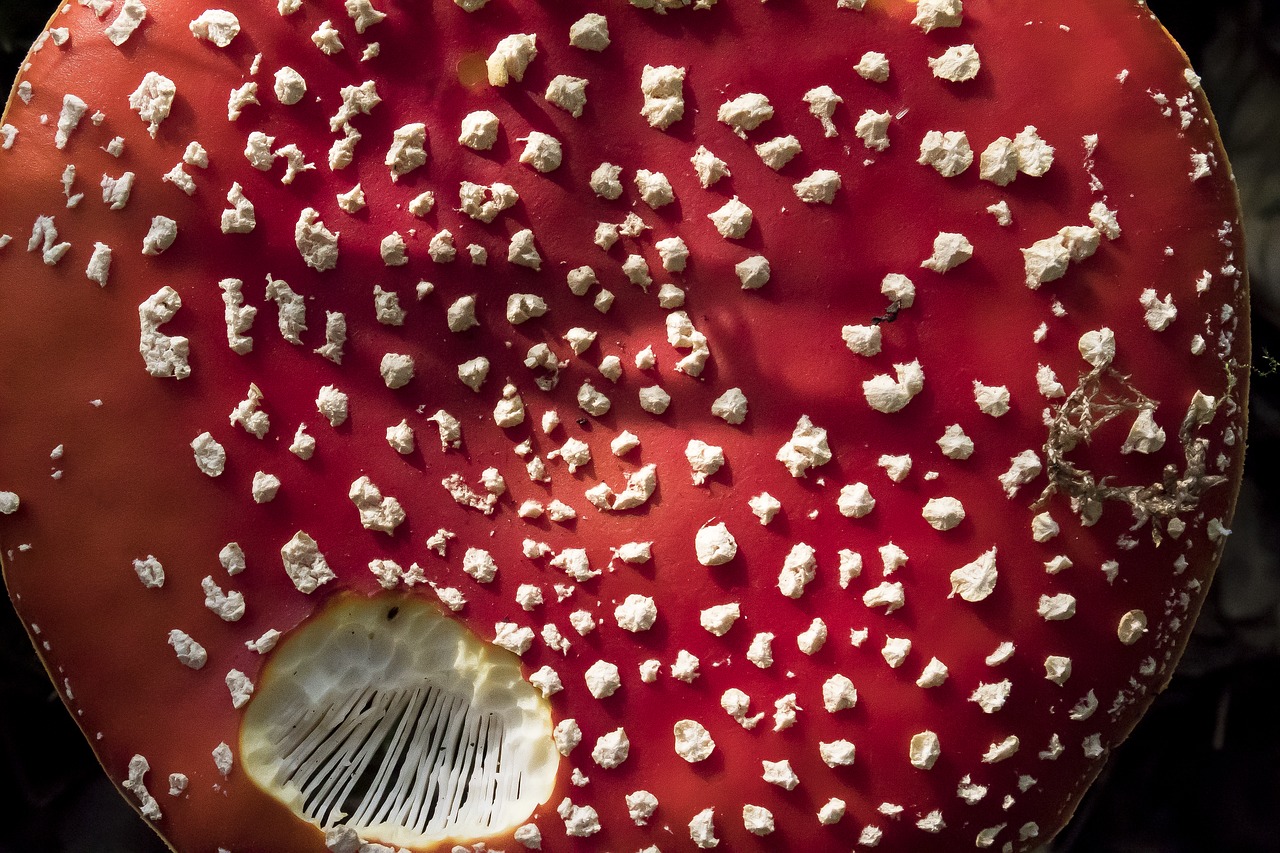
(832, 455)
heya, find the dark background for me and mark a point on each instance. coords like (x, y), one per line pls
(1202, 772)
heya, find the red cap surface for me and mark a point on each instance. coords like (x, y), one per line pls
(899, 397)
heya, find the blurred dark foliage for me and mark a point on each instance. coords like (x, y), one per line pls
(1201, 774)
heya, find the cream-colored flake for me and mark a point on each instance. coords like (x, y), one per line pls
(1023, 468)
(693, 742)
(949, 153)
(1048, 384)
(654, 188)
(950, 250)
(397, 369)
(542, 151)
(333, 404)
(798, 569)
(150, 572)
(606, 181)
(624, 443)
(934, 674)
(247, 415)
(1001, 751)
(954, 444)
(153, 99)
(924, 750)
(813, 638)
(701, 827)
(943, 513)
(851, 568)
(189, 652)
(305, 564)
(1044, 528)
(1104, 219)
(895, 651)
(708, 167)
(765, 507)
(163, 355)
(932, 14)
(1158, 314)
(807, 448)
(818, 188)
(992, 400)
(780, 773)
(116, 191)
(73, 109)
(885, 394)
(873, 66)
(745, 112)
(641, 805)
(1098, 347)
(1132, 627)
(590, 32)
(316, 243)
(327, 38)
(760, 652)
(363, 14)
(720, 618)
(890, 596)
(838, 753)
(479, 130)
(686, 667)
(407, 151)
(522, 251)
(896, 467)
(732, 219)
(290, 87)
(832, 811)
(393, 250)
(778, 152)
(674, 253)
(99, 266)
(377, 512)
(731, 406)
(356, 100)
(568, 93)
(862, 340)
(1145, 436)
(1057, 669)
(291, 310)
(510, 58)
(510, 410)
(1056, 608)
(822, 102)
(992, 697)
(240, 98)
(714, 545)
(754, 272)
(1035, 156)
(663, 91)
(975, 581)
(131, 15)
(957, 64)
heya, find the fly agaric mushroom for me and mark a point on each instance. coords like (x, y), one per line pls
(952, 393)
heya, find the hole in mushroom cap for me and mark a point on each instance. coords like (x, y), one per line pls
(385, 716)
(471, 70)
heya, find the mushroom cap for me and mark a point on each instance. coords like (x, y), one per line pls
(1036, 243)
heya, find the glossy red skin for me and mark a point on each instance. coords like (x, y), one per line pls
(130, 488)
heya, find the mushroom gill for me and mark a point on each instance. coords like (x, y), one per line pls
(386, 717)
